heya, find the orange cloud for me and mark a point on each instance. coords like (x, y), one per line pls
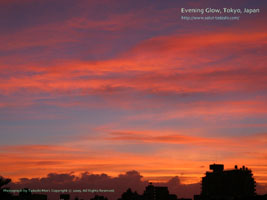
(162, 64)
(154, 137)
(167, 161)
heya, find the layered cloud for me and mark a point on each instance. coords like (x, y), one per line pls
(131, 179)
(120, 183)
(157, 155)
(176, 64)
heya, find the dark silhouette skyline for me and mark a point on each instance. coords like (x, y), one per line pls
(217, 184)
(236, 182)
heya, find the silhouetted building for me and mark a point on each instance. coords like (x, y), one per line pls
(151, 193)
(157, 193)
(227, 184)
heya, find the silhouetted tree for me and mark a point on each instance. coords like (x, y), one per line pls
(129, 195)
(3, 182)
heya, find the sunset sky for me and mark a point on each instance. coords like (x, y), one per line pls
(111, 86)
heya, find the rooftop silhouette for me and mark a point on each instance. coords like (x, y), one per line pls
(233, 184)
(151, 193)
(217, 184)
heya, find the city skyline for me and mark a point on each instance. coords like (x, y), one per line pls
(218, 183)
